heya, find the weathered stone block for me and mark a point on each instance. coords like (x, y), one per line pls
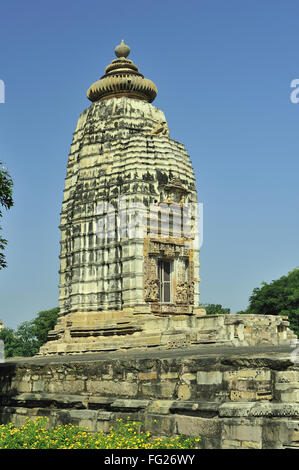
(242, 431)
(167, 389)
(235, 409)
(130, 403)
(294, 437)
(247, 374)
(38, 386)
(152, 375)
(187, 378)
(84, 418)
(283, 386)
(230, 444)
(22, 386)
(159, 407)
(251, 445)
(236, 395)
(60, 386)
(169, 375)
(184, 392)
(249, 395)
(111, 388)
(287, 376)
(275, 431)
(209, 378)
(160, 424)
(193, 426)
(290, 396)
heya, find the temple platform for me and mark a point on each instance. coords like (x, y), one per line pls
(232, 397)
(124, 330)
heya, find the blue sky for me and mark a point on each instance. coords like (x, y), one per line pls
(223, 72)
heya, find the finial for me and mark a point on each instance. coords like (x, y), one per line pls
(122, 79)
(122, 50)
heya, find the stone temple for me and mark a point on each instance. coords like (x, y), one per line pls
(129, 261)
(129, 298)
(126, 260)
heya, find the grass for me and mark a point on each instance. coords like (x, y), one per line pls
(36, 434)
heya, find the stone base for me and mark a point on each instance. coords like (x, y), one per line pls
(116, 330)
(238, 398)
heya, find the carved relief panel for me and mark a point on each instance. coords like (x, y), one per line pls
(178, 284)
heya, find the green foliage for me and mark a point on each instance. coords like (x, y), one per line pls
(12, 343)
(6, 202)
(36, 434)
(43, 323)
(280, 297)
(30, 335)
(216, 309)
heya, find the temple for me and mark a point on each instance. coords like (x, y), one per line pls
(130, 230)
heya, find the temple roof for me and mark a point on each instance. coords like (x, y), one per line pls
(122, 78)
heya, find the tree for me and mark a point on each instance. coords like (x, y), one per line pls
(6, 202)
(30, 335)
(43, 323)
(280, 297)
(216, 309)
(26, 334)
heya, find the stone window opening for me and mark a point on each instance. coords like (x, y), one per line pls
(186, 270)
(165, 278)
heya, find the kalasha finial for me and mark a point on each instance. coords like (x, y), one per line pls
(122, 79)
(122, 50)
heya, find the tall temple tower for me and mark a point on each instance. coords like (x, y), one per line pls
(129, 262)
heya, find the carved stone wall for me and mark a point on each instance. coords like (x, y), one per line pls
(114, 154)
(151, 280)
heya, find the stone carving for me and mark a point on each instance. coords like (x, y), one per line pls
(154, 248)
(182, 293)
(151, 282)
(191, 291)
(168, 251)
(160, 129)
(185, 292)
(151, 290)
(174, 192)
(164, 248)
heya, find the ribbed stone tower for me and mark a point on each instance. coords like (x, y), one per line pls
(129, 267)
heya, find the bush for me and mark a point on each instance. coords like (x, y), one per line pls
(30, 335)
(280, 297)
(216, 309)
(36, 434)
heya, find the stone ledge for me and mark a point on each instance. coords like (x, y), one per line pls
(130, 404)
(73, 400)
(258, 356)
(250, 409)
(255, 409)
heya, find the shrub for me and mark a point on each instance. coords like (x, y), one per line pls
(36, 434)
